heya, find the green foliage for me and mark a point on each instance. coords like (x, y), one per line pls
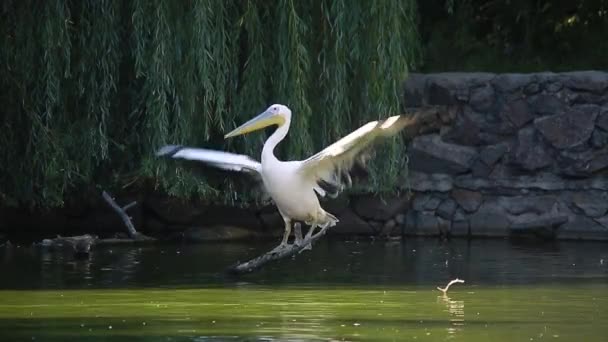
(90, 89)
(514, 36)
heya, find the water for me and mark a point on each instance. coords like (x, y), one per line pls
(352, 291)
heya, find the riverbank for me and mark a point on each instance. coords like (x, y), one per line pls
(512, 155)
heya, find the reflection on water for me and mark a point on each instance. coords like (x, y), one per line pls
(349, 291)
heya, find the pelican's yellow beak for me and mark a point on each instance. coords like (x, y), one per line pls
(263, 120)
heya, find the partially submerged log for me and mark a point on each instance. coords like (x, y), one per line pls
(300, 245)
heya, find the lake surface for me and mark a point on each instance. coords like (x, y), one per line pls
(339, 291)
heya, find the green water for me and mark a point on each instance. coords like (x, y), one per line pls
(352, 291)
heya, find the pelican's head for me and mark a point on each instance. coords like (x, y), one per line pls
(276, 114)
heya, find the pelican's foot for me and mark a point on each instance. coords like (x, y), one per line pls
(280, 247)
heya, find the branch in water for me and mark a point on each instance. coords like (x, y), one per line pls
(122, 212)
(445, 290)
(276, 254)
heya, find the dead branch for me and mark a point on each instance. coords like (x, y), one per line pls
(276, 254)
(122, 212)
(445, 290)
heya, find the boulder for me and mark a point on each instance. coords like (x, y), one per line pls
(446, 209)
(546, 104)
(530, 152)
(540, 226)
(414, 90)
(425, 201)
(517, 205)
(517, 112)
(509, 83)
(482, 98)
(489, 224)
(218, 233)
(591, 203)
(599, 138)
(430, 154)
(174, 211)
(460, 228)
(592, 81)
(424, 224)
(422, 182)
(468, 200)
(602, 120)
(539, 181)
(492, 154)
(581, 227)
(372, 207)
(568, 129)
(351, 224)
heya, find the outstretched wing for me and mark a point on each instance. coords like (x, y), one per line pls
(218, 159)
(223, 160)
(331, 168)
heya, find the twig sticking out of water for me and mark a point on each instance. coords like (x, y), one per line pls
(122, 212)
(445, 290)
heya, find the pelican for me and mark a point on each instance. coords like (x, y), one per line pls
(295, 186)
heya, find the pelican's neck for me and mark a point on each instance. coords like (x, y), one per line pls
(276, 137)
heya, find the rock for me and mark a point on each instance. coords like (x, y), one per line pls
(508, 83)
(530, 152)
(603, 221)
(597, 163)
(539, 181)
(389, 228)
(445, 91)
(414, 90)
(218, 233)
(492, 154)
(379, 209)
(446, 209)
(541, 226)
(482, 98)
(351, 224)
(517, 113)
(460, 228)
(599, 139)
(272, 222)
(480, 169)
(554, 87)
(429, 154)
(463, 132)
(400, 219)
(518, 205)
(425, 201)
(532, 88)
(568, 129)
(430, 182)
(468, 200)
(425, 225)
(546, 104)
(591, 203)
(174, 211)
(593, 81)
(581, 227)
(489, 224)
(444, 226)
(602, 120)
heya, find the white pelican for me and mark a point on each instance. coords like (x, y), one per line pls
(295, 185)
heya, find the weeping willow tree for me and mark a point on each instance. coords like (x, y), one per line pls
(90, 89)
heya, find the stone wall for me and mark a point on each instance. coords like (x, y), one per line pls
(523, 155)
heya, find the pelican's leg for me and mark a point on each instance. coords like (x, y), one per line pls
(285, 234)
(297, 231)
